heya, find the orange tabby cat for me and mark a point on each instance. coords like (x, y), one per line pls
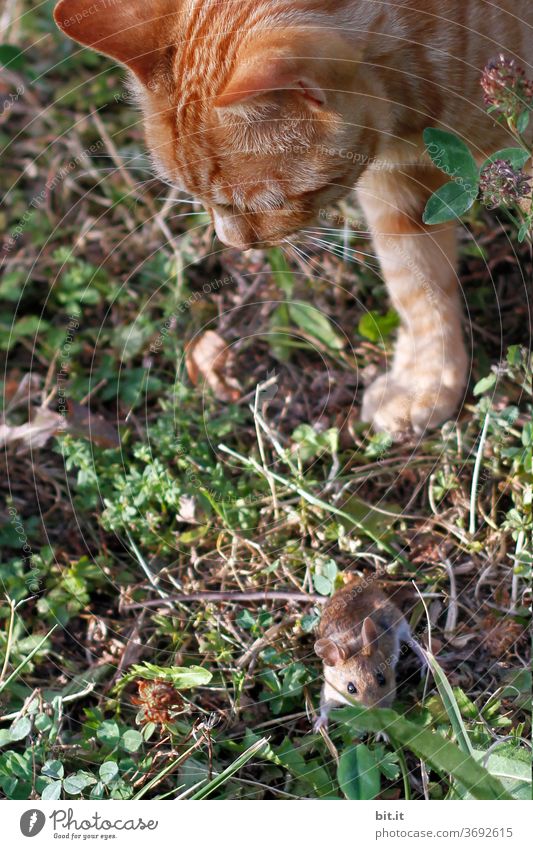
(268, 110)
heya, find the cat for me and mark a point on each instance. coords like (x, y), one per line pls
(267, 111)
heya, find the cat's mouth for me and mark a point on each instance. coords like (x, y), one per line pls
(245, 232)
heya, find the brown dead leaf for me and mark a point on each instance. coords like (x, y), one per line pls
(209, 357)
(19, 391)
(45, 423)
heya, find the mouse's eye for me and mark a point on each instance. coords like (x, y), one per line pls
(380, 678)
(352, 689)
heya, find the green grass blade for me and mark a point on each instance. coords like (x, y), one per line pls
(444, 757)
(230, 771)
(162, 772)
(451, 707)
(16, 672)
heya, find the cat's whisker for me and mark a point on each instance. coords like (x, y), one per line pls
(186, 215)
(339, 252)
(334, 231)
(179, 201)
(332, 246)
(301, 258)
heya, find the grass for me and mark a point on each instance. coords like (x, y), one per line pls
(149, 488)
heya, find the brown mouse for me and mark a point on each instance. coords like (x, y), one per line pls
(360, 634)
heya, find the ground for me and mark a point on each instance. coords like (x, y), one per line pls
(142, 464)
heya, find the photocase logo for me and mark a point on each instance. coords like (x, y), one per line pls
(32, 823)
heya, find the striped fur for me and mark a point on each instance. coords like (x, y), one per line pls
(268, 110)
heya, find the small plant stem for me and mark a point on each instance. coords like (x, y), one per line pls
(262, 452)
(475, 477)
(405, 772)
(144, 566)
(12, 607)
(26, 660)
(317, 502)
(516, 577)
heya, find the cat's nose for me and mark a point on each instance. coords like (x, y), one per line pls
(233, 231)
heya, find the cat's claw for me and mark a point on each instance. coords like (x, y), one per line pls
(396, 408)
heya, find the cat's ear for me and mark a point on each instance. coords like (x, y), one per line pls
(133, 32)
(312, 63)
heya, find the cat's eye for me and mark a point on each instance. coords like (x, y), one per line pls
(380, 678)
(352, 689)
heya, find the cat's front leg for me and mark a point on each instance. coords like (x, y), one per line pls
(424, 385)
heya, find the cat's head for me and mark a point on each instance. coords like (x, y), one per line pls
(253, 117)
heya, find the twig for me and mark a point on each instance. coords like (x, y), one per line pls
(64, 699)
(229, 596)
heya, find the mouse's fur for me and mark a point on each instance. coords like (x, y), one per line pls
(359, 641)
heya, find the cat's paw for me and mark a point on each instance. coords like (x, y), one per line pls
(396, 407)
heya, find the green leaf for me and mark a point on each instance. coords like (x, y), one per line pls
(524, 230)
(131, 741)
(451, 706)
(325, 575)
(484, 384)
(245, 620)
(523, 121)
(5, 737)
(12, 57)
(53, 769)
(448, 203)
(109, 733)
(182, 677)
(311, 443)
(76, 783)
(444, 757)
(52, 791)
(513, 771)
(20, 729)
(451, 155)
(281, 272)
(358, 773)
(322, 585)
(108, 771)
(377, 327)
(517, 156)
(315, 324)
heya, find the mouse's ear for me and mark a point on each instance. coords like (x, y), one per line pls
(369, 635)
(330, 652)
(132, 32)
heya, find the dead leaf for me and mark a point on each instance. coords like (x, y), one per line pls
(209, 357)
(35, 434)
(45, 423)
(18, 392)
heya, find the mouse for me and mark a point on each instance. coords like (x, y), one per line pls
(359, 639)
